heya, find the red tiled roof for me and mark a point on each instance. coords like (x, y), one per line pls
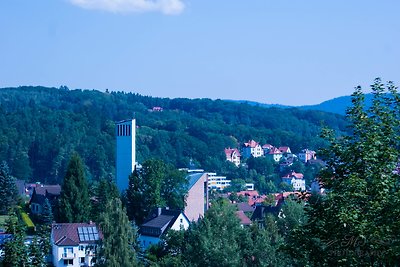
(251, 143)
(268, 146)
(229, 152)
(284, 149)
(244, 220)
(66, 234)
(294, 174)
(275, 151)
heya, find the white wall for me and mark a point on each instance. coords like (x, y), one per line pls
(180, 224)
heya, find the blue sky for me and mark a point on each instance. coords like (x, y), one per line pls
(287, 52)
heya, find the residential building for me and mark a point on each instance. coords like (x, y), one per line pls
(275, 154)
(296, 180)
(266, 148)
(158, 223)
(74, 244)
(233, 155)
(126, 155)
(305, 155)
(197, 197)
(252, 148)
(40, 193)
(285, 150)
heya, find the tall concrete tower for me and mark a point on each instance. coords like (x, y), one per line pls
(126, 157)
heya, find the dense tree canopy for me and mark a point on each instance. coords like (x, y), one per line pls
(40, 128)
(156, 184)
(356, 222)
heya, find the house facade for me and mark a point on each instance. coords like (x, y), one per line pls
(252, 148)
(233, 155)
(158, 223)
(74, 244)
(305, 155)
(296, 180)
(275, 154)
(39, 195)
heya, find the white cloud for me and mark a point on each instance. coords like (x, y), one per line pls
(168, 7)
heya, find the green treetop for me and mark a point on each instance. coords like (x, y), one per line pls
(8, 189)
(74, 205)
(117, 246)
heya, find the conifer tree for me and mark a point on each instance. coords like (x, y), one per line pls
(105, 191)
(74, 205)
(8, 189)
(47, 213)
(117, 246)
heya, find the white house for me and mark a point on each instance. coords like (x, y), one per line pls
(296, 180)
(252, 148)
(158, 223)
(233, 155)
(74, 244)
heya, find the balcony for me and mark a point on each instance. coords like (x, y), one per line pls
(68, 255)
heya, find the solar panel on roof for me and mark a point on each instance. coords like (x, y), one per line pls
(88, 234)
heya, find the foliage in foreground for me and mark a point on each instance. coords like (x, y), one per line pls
(356, 222)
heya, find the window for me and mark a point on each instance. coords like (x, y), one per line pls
(82, 259)
(68, 262)
(181, 220)
(81, 248)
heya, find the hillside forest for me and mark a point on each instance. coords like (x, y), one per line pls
(41, 127)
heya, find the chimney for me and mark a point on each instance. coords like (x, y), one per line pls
(158, 211)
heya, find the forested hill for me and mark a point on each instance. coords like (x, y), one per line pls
(40, 127)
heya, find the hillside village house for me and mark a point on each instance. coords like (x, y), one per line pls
(305, 155)
(285, 149)
(296, 180)
(233, 155)
(74, 244)
(158, 223)
(252, 148)
(275, 154)
(266, 148)
(40, 193)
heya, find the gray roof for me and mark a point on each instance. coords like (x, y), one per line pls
(193, 178)
(159, 221)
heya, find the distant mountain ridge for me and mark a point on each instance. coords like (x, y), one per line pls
(337, 105)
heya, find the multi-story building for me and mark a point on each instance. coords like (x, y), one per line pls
(74, 244)
(217, 182)
(126, 157)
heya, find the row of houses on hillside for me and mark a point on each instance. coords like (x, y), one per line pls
(254, 149)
